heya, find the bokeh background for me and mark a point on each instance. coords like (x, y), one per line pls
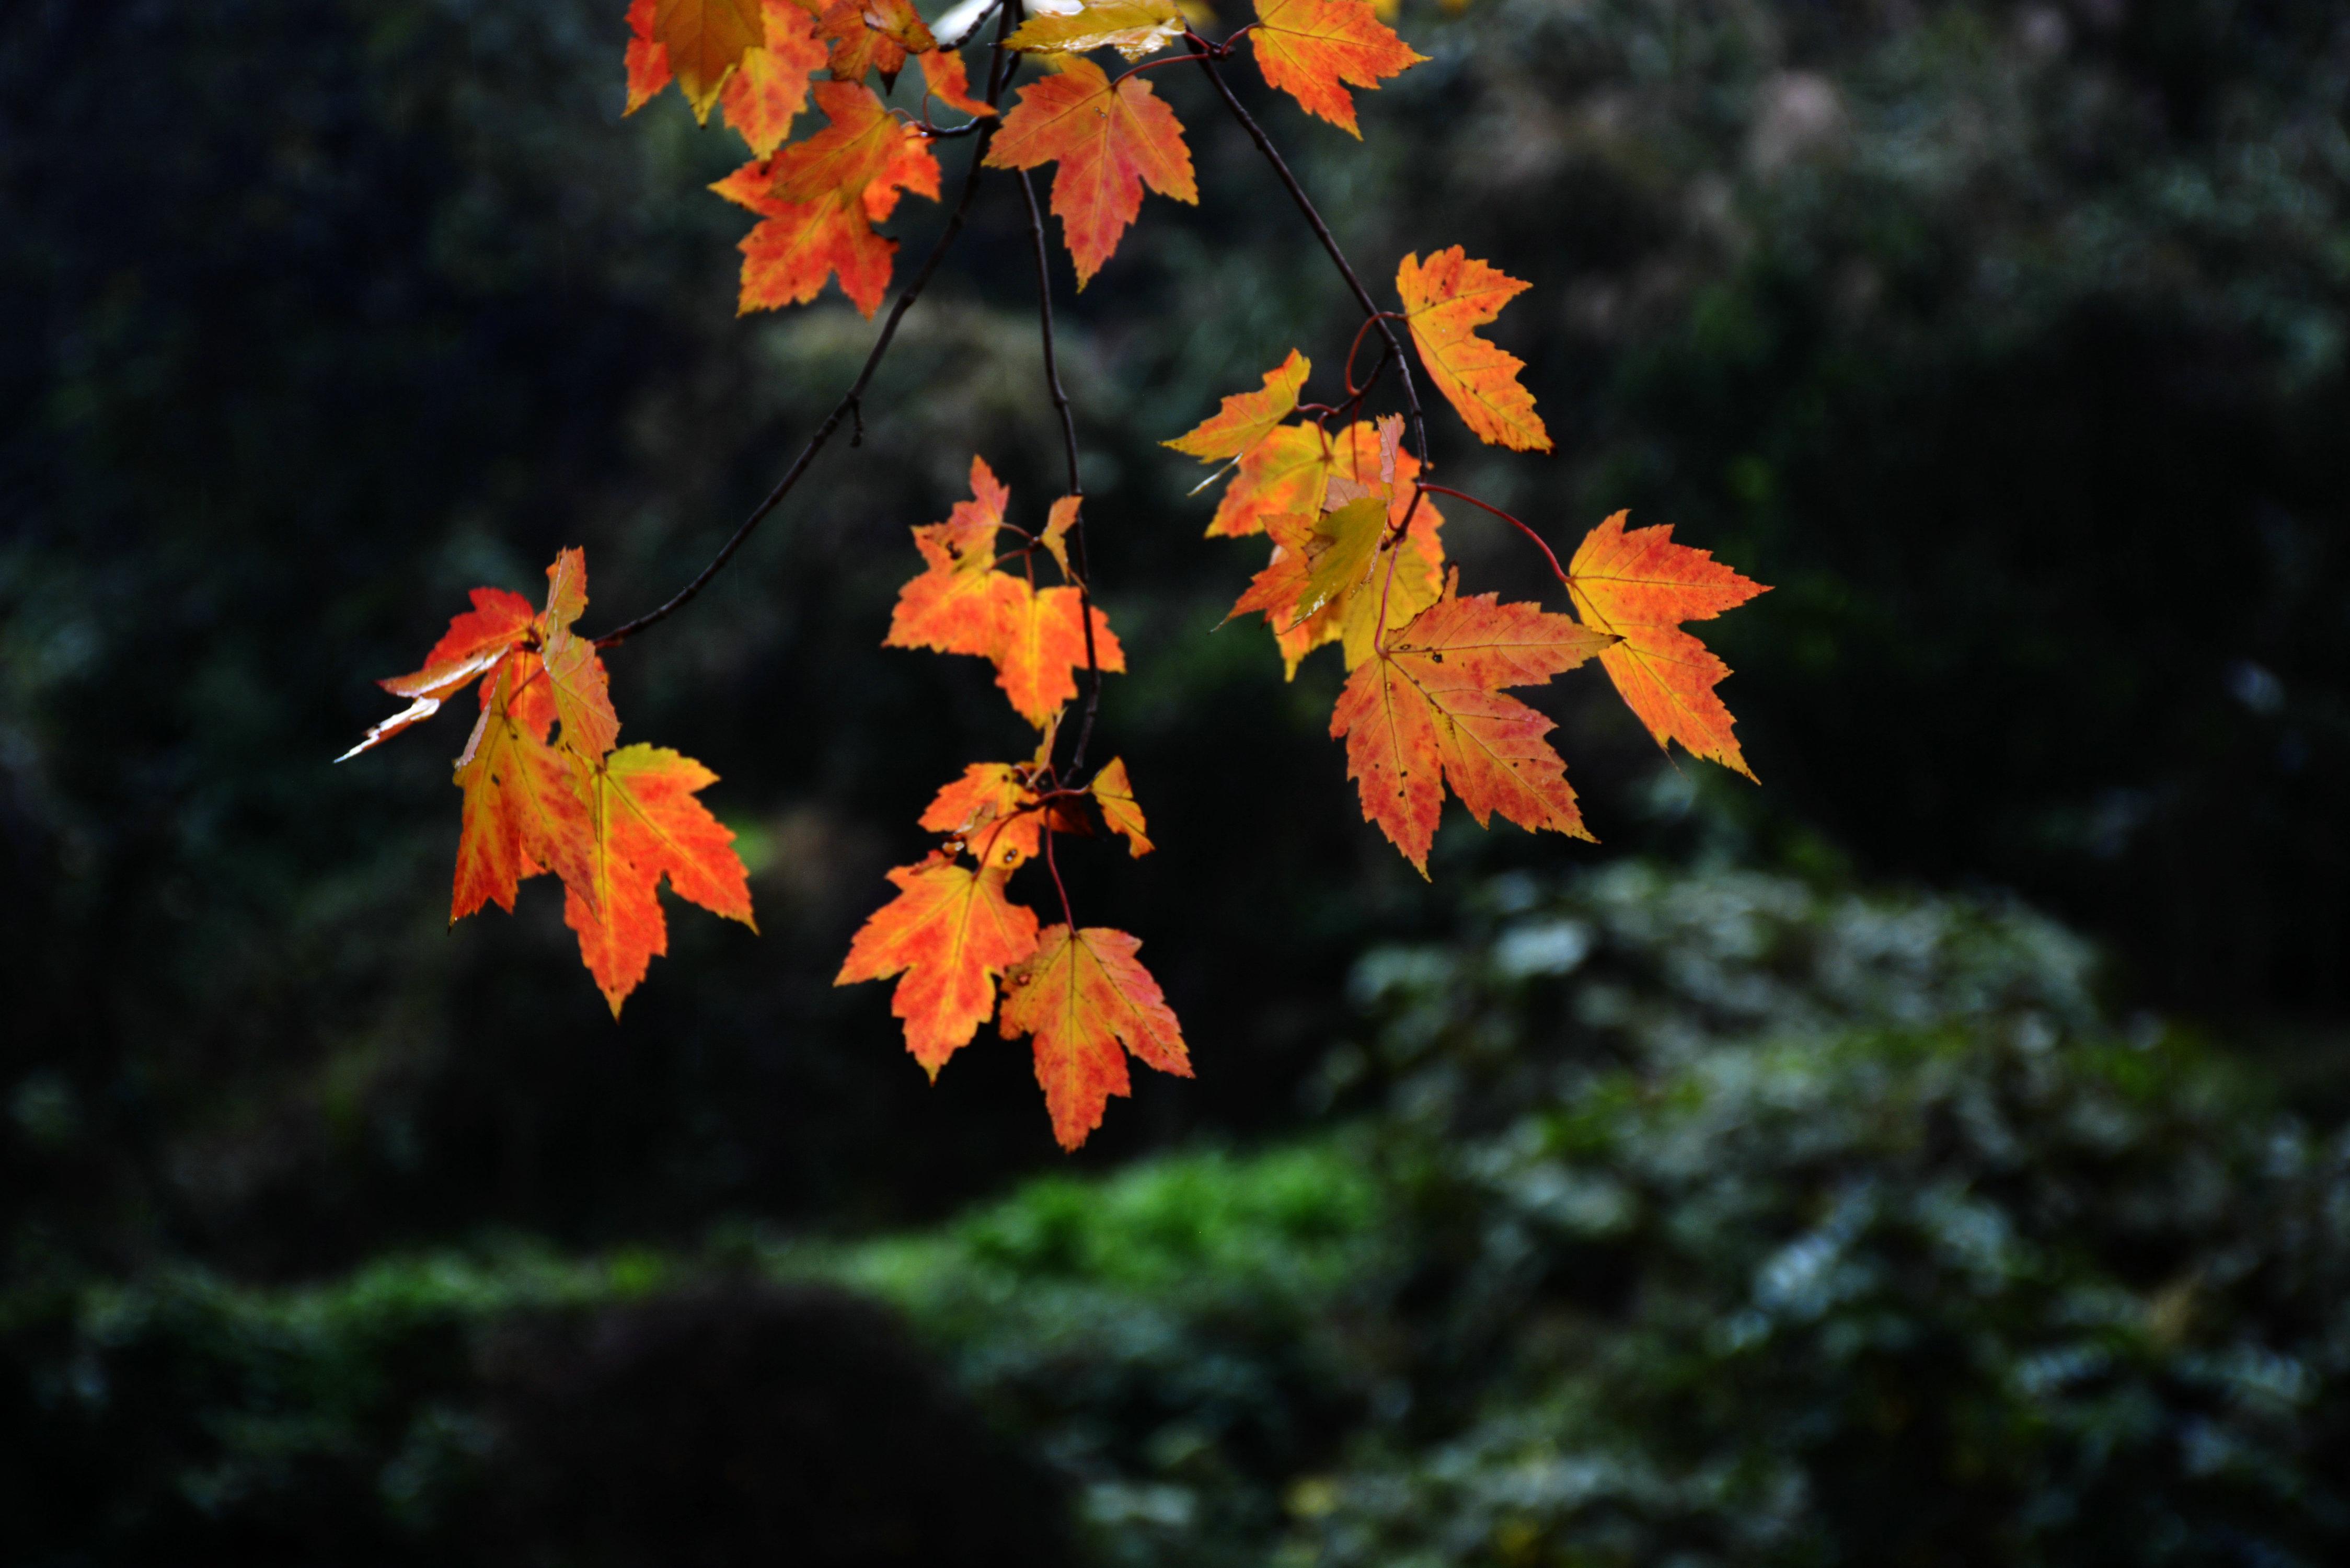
(1935, 1155)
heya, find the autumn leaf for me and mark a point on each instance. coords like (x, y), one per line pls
(1115, 796)
(818, 199)
(1056, 540)
(992, 810)
(1135, 28)
(945, 78)
(770, 86)
(1641, 587)
(1108, 144)
(1443, 302)
(472, 646)
(575, 674)
(1348, 613)
(698, 42)
(951, 932)
(522, 814)
(1246, 417)
(1083, 995)
(1427, 710)
(961, 604)
(1311, 49)
(873, 35)
(643, 823)
(1045, 646)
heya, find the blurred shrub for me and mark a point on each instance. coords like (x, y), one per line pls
(1750, 1223)
(1701, 1217)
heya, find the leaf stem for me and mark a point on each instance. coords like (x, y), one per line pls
(1548, 555)
(1068, 916)
(1330, 244)
(851, 401)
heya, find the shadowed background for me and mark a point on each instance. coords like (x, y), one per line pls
(2007, 342)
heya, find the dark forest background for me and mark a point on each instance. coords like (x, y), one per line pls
(2011, 343)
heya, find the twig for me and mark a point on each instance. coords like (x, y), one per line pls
(1330, 243)
(1558, 571)
(851, 400)
(1069, 446)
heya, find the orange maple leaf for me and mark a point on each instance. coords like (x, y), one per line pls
(1443, 302)
(945, 78)
(992, 810)
(643, 823)
(1083, 995)
(818, 199)
(1044, 647)
(873, 35)
(1427, 710)
(1247, 418)
(962, 603)
(951, 932)
(1108, 143)
(1640, 585)
(700, 42)
(762, 93)
(555, 673)
(522, 813)
(1311, 49)
(1328, 581)
(1115, 795)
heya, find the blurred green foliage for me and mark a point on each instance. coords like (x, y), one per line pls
(1701, 1219)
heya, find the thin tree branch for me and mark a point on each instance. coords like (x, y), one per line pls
(851, 401)
(1069, 446)
(1330, 244)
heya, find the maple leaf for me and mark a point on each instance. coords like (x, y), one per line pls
(1108, 143)
(1246, 417)
(1083, 995)
(1055, 537)
(576, 679)
(643, 823)
(1135, 28)
(1427, 709)
(818, 199)
(476, 640)
(766, 89)
(962, 603)
(1640, 585)
(1348, 607)
(1115, 796)
(1311, 49)
(1044, 647)
(873, 35)
(699, 42)
(770, 86)
(951, 932)
(522, 814)
(992, 810)
(1443, 302)
(945, 78)
(555, 673)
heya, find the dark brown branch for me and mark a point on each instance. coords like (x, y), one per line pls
(851, 401)
(1069, 446)
(1330, 244)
